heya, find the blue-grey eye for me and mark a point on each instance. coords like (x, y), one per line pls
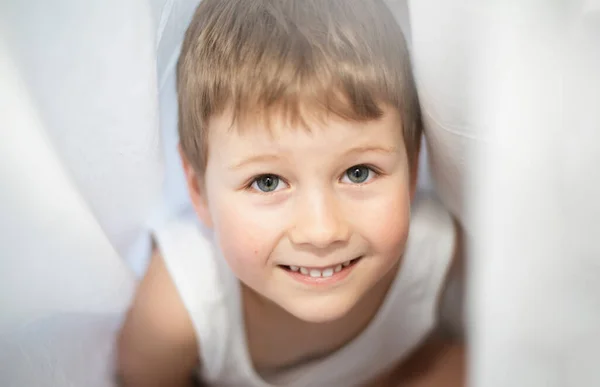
(266, 183)
(358, 174)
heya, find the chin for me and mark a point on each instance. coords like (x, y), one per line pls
(321, 308)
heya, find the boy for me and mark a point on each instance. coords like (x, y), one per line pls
(299, 136)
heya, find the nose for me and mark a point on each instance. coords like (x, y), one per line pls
(319, 221)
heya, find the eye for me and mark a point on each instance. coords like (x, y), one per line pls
(267, 183)
(358, 174)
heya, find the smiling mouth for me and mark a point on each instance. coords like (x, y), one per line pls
(321, 272)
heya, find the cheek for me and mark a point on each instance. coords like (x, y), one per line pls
(386, 223)
(246, 235)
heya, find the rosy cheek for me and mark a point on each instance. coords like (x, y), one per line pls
(237, 240)
(243, 236)
(387, 224)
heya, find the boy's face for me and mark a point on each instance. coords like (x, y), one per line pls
(311, 220)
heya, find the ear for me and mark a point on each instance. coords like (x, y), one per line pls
(414, 170)
(196, 189)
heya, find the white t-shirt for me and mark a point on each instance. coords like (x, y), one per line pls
(211, 294)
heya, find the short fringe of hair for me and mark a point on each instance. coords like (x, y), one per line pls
(292, 57)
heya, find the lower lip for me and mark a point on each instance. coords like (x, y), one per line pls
(322, 281)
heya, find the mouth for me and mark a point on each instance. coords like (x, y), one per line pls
(321, 272)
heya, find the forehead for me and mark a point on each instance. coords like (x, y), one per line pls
(320, 132)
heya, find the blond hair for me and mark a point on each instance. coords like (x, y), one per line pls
(345, 57)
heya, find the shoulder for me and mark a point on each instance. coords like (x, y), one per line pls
(437, 362)
(157, 305)
(189, 275)
(157, 337)
(452, 297)
(434, 229)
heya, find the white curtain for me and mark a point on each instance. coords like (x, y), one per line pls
(510, 92)
(81, 176)
(534, 194)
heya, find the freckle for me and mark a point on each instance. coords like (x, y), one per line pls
(255, 252)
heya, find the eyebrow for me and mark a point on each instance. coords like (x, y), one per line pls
(372, 148)
(263, 158)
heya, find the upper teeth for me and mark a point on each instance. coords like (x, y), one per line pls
(316, 273)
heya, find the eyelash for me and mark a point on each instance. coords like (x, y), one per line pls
(255, 179)
(376, 172)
